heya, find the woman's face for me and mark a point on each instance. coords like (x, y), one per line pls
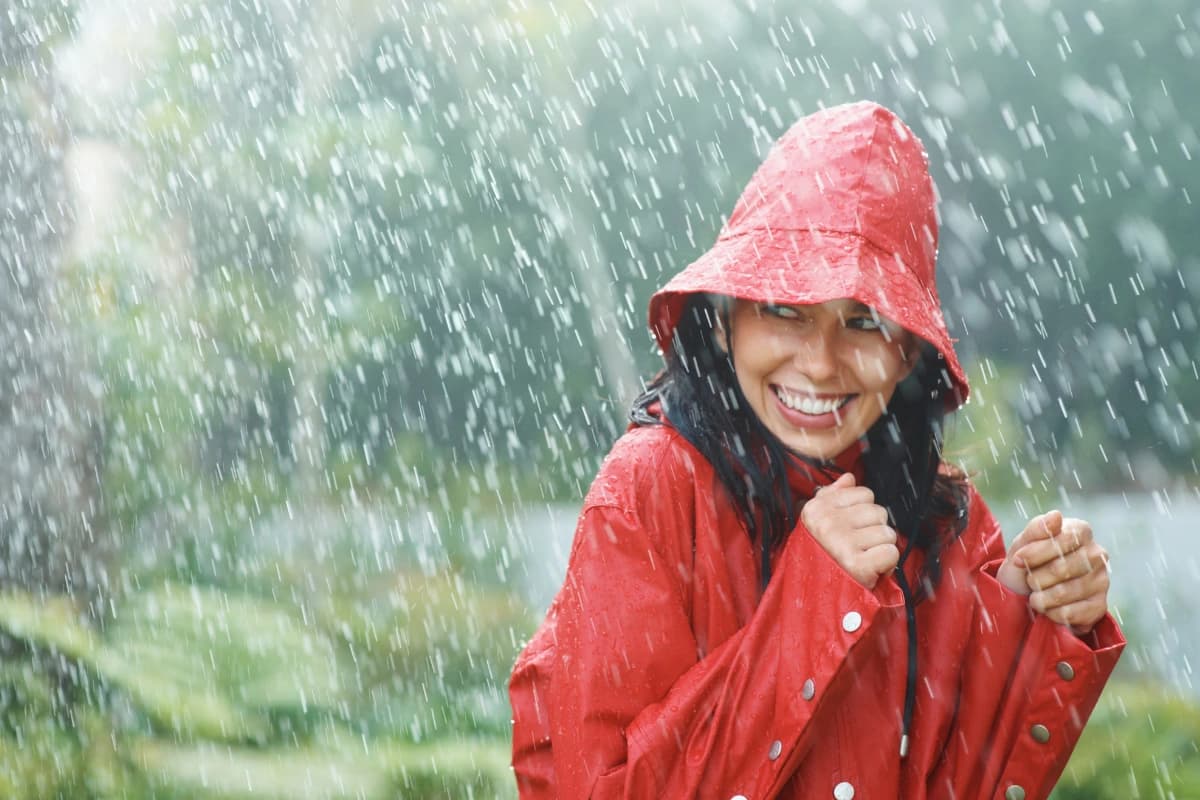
(818, 376)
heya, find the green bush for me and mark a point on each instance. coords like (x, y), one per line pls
(1142, 741)
(201, 692)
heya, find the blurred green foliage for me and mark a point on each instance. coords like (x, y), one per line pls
(200, 692)
(1140, 742)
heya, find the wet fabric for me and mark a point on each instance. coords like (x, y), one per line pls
(842, 206)
(658, 672)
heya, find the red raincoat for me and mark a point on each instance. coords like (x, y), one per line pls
(660, 672)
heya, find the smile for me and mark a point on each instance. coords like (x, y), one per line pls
(809, 404)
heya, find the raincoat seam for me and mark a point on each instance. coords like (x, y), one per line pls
(862, 178)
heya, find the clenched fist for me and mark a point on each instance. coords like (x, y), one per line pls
(845, 520)
(1059, 565)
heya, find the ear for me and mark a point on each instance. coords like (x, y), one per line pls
(720, 330)
(721, 309)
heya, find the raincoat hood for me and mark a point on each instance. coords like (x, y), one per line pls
(842, 207)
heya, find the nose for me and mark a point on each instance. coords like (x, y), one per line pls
(817, 357)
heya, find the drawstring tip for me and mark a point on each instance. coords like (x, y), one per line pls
(903, 745)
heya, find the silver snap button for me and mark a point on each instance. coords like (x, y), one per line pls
(808, 690)
(843, 791)
(738, 797)
(1040, 734)
(1065, 670)
(851, 622)
(1014, 792)
(776, 750)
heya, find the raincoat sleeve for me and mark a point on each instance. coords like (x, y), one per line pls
(1028, 685)
(613, 700)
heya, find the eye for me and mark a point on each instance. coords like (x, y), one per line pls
(865, 323)
(781, 312)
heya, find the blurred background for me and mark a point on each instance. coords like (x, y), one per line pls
(317, 317)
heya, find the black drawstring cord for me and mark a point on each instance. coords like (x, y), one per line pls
(910, 684)
(766, 562)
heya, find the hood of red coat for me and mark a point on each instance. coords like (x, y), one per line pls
(843, 206)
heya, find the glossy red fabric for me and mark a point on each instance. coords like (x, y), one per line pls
(659, 673)
(842, 206)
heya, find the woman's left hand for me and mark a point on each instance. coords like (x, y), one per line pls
(1065, 570)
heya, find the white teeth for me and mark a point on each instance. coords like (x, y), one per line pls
(811, 405)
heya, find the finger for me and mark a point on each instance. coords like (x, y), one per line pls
(853, 496)
(882, 558)
(1077, 590)
(875, 535)
(1064, 568)
(1082, 616)
(862, 515)
(1043, 551)
(1043, 526)
(1077, 530)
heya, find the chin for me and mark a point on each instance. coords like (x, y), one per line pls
(820, 452)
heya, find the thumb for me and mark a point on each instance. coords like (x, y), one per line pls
(844, 481)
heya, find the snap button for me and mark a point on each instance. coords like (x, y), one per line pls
(1040, 734)
(850, 623)
(738, 797)
(843, 791)
(1014, 793)
(808, 689)
(1065, 670)
(776, 750)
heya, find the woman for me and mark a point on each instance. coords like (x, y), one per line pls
(777, 587)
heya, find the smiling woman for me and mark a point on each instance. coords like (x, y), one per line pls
(818, 376)
(775, 556)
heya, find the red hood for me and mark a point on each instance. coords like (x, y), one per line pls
(842, 207)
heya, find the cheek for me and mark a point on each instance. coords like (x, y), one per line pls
(879, 368)
(872, 366)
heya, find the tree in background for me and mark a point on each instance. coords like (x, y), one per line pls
(48, 406)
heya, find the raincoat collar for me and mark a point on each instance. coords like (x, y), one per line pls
(806, 476)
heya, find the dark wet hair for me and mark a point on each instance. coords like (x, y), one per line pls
(699, 395)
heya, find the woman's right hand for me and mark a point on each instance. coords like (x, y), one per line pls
(853, 529)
